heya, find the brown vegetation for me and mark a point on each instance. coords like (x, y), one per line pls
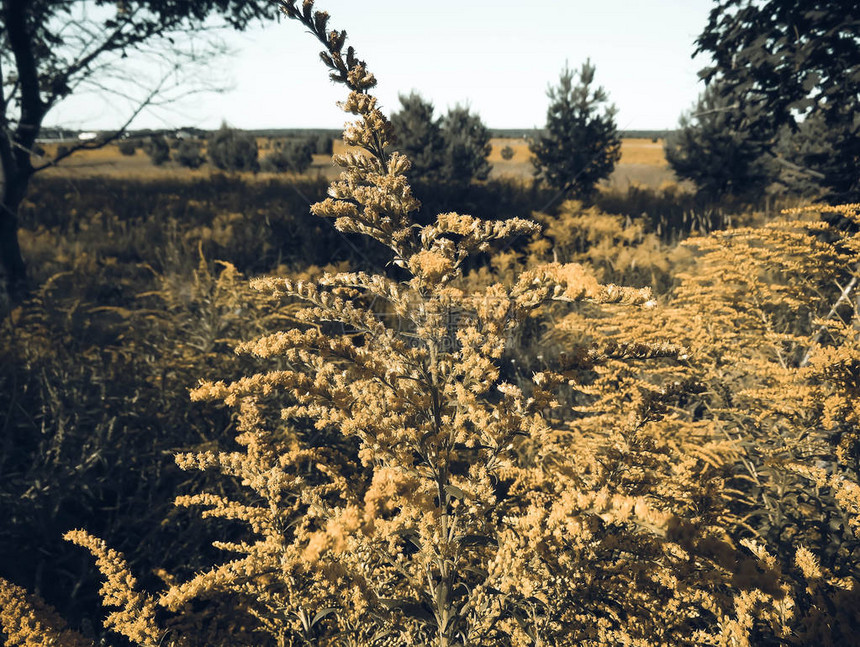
(577, 429)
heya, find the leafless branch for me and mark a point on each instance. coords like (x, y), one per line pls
(844, 296)
(102, 142)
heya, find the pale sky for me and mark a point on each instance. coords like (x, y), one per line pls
(498, 56)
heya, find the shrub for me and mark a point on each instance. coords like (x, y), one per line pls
(189, 153)
(127, 147)
(157, 149)
(294, 155)
(507, 153)
(233, 150)
(770, 367)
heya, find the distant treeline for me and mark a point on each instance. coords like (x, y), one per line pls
(334, 133)
(520, 133)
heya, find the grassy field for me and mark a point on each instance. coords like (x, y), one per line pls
(642, 163)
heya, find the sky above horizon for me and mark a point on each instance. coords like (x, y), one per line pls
(498, 57)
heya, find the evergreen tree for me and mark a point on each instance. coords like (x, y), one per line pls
(715, 148)
(419, 136)
(467, 145)
(451, 149)
(580, 144)
(817, 160)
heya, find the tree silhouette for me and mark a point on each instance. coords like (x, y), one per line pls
(786, 61)
(580, 144)
(52, 49)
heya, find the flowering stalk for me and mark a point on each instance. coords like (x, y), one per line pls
(391, 498)
(412, 382)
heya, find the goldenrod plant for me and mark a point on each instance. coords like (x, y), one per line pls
(393, 482)
(769, 317)
(27, 621)
(402, 524)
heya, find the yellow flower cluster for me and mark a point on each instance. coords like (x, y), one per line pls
(397, 487)
(26, 621)
(135, 616)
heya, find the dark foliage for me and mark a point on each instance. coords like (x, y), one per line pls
(419, 136)
(158, 149)
(451, 149)
(233, 150)
(189, 153)
(294, 155)
(580, 144)
(127, 147)
(818, 161)
(789, 60)
(713, 148)
(466, 147)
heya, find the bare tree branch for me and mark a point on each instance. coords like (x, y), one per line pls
(844, 296)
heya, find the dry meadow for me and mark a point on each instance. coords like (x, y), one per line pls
(642, 164)
(281, 410)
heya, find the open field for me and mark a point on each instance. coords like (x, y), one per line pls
(140, 291)
(131, 309)
(642, 163)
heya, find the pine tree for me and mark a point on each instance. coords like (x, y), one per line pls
(419, 136)
(716, 149)
(467, 145)
(580, 144)
(452, 149)
(815, 159)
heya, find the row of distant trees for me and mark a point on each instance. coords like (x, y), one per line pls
(230, 149)
(784, 84)
(579, 146)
